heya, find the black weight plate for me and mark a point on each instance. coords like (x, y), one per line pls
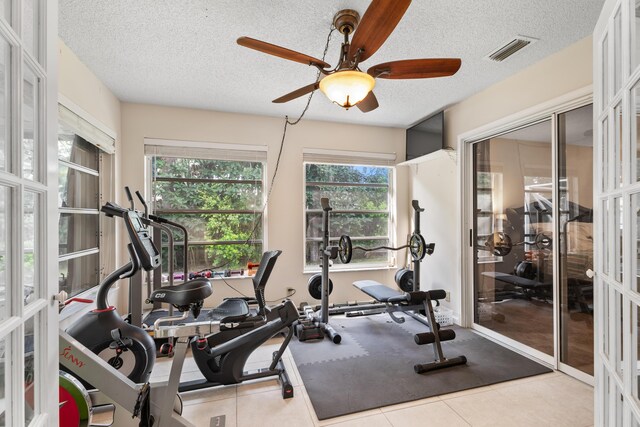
(417, 247)
(345, 249)
(404, 279)
(315, 286)
(499, 244)
(543, 241)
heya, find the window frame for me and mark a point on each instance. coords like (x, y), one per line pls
(392, 260)
(73, 119)
(194, 148)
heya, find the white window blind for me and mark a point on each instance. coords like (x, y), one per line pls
(319, 155)
(86, 130)
(205, 150)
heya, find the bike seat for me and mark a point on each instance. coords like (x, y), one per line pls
(182, 295)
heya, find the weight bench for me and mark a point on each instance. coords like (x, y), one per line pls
(413, 304)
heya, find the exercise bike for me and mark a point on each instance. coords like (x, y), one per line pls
(107, 362)
(125, 347)
(221, 347)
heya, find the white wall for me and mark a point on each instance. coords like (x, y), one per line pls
(434, 186)
(285, 215)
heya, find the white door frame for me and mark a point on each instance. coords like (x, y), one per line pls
(545, 111)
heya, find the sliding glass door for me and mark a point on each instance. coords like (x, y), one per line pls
(575, 237)
(513, 223)
(532, 194)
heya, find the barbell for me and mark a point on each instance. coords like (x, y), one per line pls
(417, 247)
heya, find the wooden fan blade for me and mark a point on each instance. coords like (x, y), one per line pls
(416, 68)
(281, 52)
(376, 24)
(369, 103)
(297, 93)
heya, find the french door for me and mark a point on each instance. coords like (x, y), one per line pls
(28, 217)
(616, 44)
(529, 212)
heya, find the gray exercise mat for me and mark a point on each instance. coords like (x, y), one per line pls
(377, 368)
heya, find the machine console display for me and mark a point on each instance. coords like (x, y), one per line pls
(141, 239)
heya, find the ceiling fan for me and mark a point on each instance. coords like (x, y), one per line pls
(346, 84)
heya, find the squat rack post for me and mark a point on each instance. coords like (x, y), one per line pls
(416, 262)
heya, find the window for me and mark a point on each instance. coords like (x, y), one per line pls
(218, 200)
(361, 198)
(82, 231)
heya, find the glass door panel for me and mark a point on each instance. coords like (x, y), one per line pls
(513, 225)
(575, 239)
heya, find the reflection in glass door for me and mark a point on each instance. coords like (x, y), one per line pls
(575, 176)
(513, 224)
(533, 233)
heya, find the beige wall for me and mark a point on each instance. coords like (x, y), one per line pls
(552, 77)
(558, 74)
(97, 103)
(81, 86)
(285, 217)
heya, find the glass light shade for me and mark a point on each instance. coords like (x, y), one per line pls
(347, 88)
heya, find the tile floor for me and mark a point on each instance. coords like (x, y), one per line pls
(552, 399)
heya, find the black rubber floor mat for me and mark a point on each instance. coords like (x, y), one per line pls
(379, 372)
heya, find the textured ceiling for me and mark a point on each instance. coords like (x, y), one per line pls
(184, 53)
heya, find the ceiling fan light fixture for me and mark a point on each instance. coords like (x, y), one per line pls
(347, 88)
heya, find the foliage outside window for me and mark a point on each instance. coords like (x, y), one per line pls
(361, 198)
(220, 204)
(79, 213)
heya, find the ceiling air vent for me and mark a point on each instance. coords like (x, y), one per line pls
(510, 48)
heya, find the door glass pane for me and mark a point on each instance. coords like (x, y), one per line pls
(5, 102)
(30, 124)
(4, 252)
(635, 322)
(575, 240)
(5, 10)
(635, 17)
(31, 246)
(514, 281)
(635, 147)
(31, 374)
(635, 224)
(605, 73)
(617, 52)
(605, 322)
(617, 146)
(618, 337)
(4, 381)
(604, 129)
(30, 27)
(617, 226)
(605, 238)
